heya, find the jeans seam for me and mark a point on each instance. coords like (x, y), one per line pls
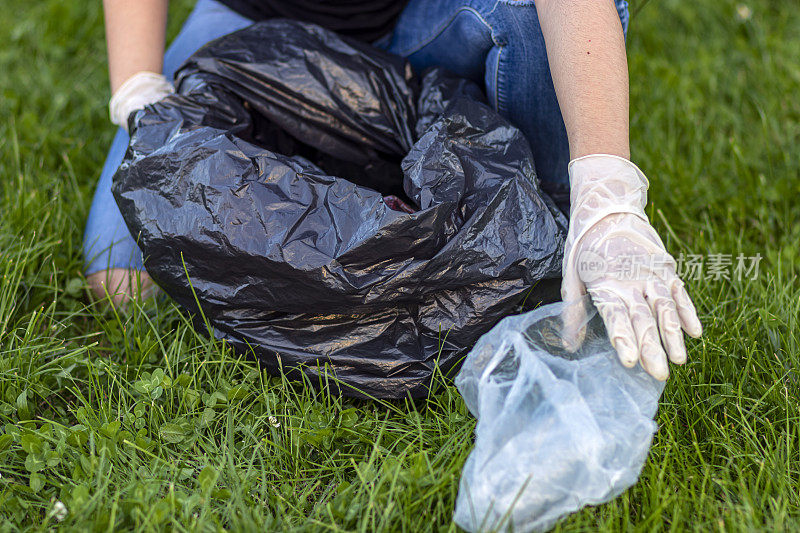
(494, 8)
(499, 96)
(444, 26)
(497, 89)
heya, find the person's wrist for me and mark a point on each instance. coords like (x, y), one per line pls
(141, 89)
(593, 169)
(602, 185)
(600, 140)
(606, 182)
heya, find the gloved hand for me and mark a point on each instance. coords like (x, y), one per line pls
(141, 89)
(613, 253)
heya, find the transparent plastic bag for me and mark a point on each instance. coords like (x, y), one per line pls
(557, 429)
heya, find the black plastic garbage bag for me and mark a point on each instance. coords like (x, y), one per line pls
(333, 214)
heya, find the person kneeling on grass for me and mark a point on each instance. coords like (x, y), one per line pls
(557, 69)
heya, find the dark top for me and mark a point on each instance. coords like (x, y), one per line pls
(366, 20)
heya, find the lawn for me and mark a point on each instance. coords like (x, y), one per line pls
(132, 420)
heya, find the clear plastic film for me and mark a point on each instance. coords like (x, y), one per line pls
(557, 429)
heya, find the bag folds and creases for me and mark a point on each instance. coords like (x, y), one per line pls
(324, 208)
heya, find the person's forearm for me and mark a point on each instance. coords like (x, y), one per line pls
(135, 35)
(586, 51)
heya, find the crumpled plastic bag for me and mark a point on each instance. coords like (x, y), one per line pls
(556, 429)
(332, 213)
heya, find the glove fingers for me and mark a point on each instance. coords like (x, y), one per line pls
(573, 314)
(669, 325)
(651, 354)
(686, 310)
(616, 318)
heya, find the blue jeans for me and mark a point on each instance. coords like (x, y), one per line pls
(497, 43)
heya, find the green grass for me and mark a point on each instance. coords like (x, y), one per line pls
(133, 420)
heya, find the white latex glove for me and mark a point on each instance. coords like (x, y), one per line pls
(613, 253)
(141, 89)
